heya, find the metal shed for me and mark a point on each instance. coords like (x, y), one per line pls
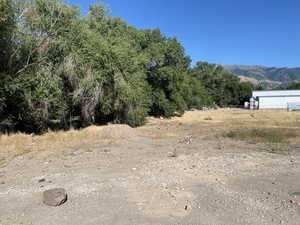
(277, 99)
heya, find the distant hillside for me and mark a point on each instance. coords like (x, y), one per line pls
(267, 76)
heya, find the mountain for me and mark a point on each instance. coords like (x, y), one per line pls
(266, 76)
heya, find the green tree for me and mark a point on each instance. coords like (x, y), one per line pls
(195, 94)
(57, 65)
(294, 86)
(224, 88)
(167, 68)
(7, 26)
(245, 92)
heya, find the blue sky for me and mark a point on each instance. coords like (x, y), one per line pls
(247, 32)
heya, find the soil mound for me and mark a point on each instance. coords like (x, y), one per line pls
(117, 131)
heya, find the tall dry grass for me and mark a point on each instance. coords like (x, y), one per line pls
(18, 144)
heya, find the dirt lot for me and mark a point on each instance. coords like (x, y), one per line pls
(178, 171)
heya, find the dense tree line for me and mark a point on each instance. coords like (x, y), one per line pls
(293, 86)
(58, 67)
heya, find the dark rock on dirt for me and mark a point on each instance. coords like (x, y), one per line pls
(55, 197)
(172, 154)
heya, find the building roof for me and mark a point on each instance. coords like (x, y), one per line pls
(276, 93)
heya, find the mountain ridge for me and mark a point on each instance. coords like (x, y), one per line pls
(263, 75)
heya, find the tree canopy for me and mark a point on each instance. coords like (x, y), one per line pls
(59, 69)
(294, 86)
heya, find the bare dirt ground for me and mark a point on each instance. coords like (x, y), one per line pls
(120, 175)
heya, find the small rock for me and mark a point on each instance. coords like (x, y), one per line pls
(106, 150)
(67, 166)
(172, 154)
(55, 197)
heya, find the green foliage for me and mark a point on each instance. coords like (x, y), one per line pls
(2, 93)
(167, 71)
(195, 94)
(7, 25)
(40, 97)
(245, 91)
(58, 65)
(294, 86)
(224, 88)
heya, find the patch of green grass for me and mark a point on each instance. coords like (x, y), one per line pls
(261, 135)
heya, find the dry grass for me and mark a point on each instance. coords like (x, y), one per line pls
(219, 121)
(244, 118)
(226, 120)
(57, 142)
(18, 144)
(256, 135)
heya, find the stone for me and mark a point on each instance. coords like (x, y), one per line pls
(172, 154)
(55, 197)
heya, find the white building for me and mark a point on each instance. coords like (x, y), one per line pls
(277, 99)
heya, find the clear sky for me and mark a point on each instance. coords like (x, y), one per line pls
(247, 32)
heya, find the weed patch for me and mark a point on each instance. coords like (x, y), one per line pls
(256, 135)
